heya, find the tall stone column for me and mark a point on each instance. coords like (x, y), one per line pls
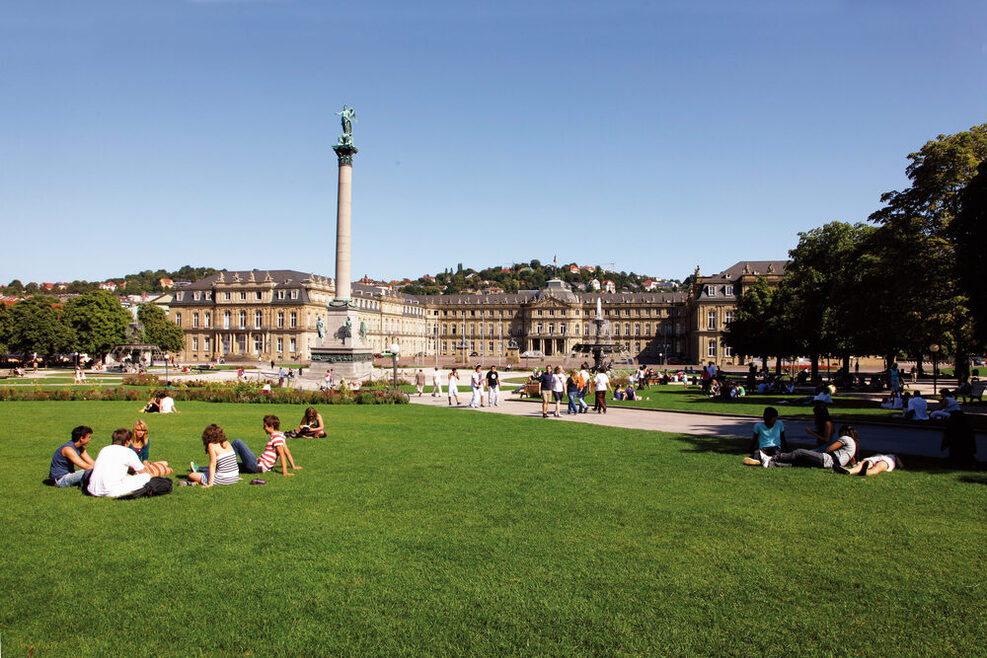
(344, 226)
(341, 342)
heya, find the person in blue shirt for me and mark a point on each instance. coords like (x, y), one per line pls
(71, 455)
(768, 440)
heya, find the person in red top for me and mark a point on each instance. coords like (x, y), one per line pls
(275, 449)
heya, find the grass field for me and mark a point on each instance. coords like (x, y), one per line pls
(422, 531)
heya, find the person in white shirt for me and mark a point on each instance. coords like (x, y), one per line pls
(110, 476)
(558, 389)
(436, 383)
(918, 408)
(453, 385)
(476, 388)
(167, 405)
(601, 384)
(946, 406)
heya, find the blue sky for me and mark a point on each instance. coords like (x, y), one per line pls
(653, 135)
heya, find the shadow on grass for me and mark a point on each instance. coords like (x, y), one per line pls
(716, 444)
(974, 479)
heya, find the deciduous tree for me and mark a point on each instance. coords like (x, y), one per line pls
(98, 320)
(158, 329)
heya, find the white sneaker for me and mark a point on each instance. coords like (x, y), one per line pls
(765, 460)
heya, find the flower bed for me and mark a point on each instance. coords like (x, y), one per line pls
(245, 392)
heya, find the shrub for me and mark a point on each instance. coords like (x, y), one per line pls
(212, 392)
(141, 379)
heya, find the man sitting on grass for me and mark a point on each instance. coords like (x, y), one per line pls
(768, 439)
(70, 455)
(275, 449)
(118, 472)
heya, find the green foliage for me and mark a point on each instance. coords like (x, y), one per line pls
(158, 329)
(6, 326)
(98, 322)
(757, 328)
(37, 327)
(131, 284)
(968, 232)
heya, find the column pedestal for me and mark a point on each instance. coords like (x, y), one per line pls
(342, 349)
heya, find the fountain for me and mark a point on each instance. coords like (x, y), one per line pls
(602, 344)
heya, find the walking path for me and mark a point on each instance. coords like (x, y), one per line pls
(873, 437)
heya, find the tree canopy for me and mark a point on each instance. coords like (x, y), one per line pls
(37, 327)
(158, 329)
(98, 321)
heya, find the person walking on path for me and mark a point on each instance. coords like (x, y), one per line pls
(436, 383)
(493, 387)
(453, 385)
(558, 390)
(546, 380)
(476, 388)
(601, 384)
(572, 390)
(420, 382)
(583, 380)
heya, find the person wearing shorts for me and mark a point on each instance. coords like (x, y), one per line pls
(547, 379)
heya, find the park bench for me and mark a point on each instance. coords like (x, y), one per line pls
(530, 390)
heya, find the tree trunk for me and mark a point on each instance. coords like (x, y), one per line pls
(815, 368)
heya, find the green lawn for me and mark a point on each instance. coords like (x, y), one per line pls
(422, 531)
(678, 397)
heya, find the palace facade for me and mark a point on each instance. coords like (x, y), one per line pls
(270, 315)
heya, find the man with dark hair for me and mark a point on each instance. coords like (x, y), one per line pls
(111, 471)
(69, 455)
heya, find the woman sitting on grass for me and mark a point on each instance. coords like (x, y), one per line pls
(823, 432)
(139, 444)
(311, 427)
(841, 452)
(223, 468)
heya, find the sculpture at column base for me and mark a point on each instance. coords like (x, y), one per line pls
(342, 348)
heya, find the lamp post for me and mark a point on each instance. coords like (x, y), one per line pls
(934, 348)
(395, 348)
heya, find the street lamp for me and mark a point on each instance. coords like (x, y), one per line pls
(395, 348)
(934, 348)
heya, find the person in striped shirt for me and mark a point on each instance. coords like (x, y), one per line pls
(276, 449)
(223, 467)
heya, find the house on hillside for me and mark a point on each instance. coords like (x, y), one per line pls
(108, 286)
(166, 284)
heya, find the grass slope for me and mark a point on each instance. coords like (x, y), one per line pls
(432, 531)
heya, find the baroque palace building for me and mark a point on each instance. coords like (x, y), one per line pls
(271, 315)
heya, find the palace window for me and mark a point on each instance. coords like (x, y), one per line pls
(241, 343)
(280, 294)
(258, 344)
(243, 295)
(242, 317)
(616, 330)
(292, 345)
(711, 351)
(280, 322)
(178, 319)
(196, 295)
(195, 343)
(207, 320)
(293, 321)
(195, 320)
(711, 320)
(729, 317)
(627, 329)
(208, 295)
(227, 296)
(727, 351)
(205, 344)
(729, 290)
(258, 319)
(258, 295)
(294, 295)
(280, 344)
(551, 328)
(538, 328)
(180, 296)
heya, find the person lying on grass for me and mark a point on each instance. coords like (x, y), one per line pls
(841, 452)
(276, 449)
(311, 427)
(117, 471)
(69, 456)
(873, 465)
(769, 438)
(223, 467)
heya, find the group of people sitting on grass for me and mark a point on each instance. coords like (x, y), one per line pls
(123, 468)
(839, 450)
